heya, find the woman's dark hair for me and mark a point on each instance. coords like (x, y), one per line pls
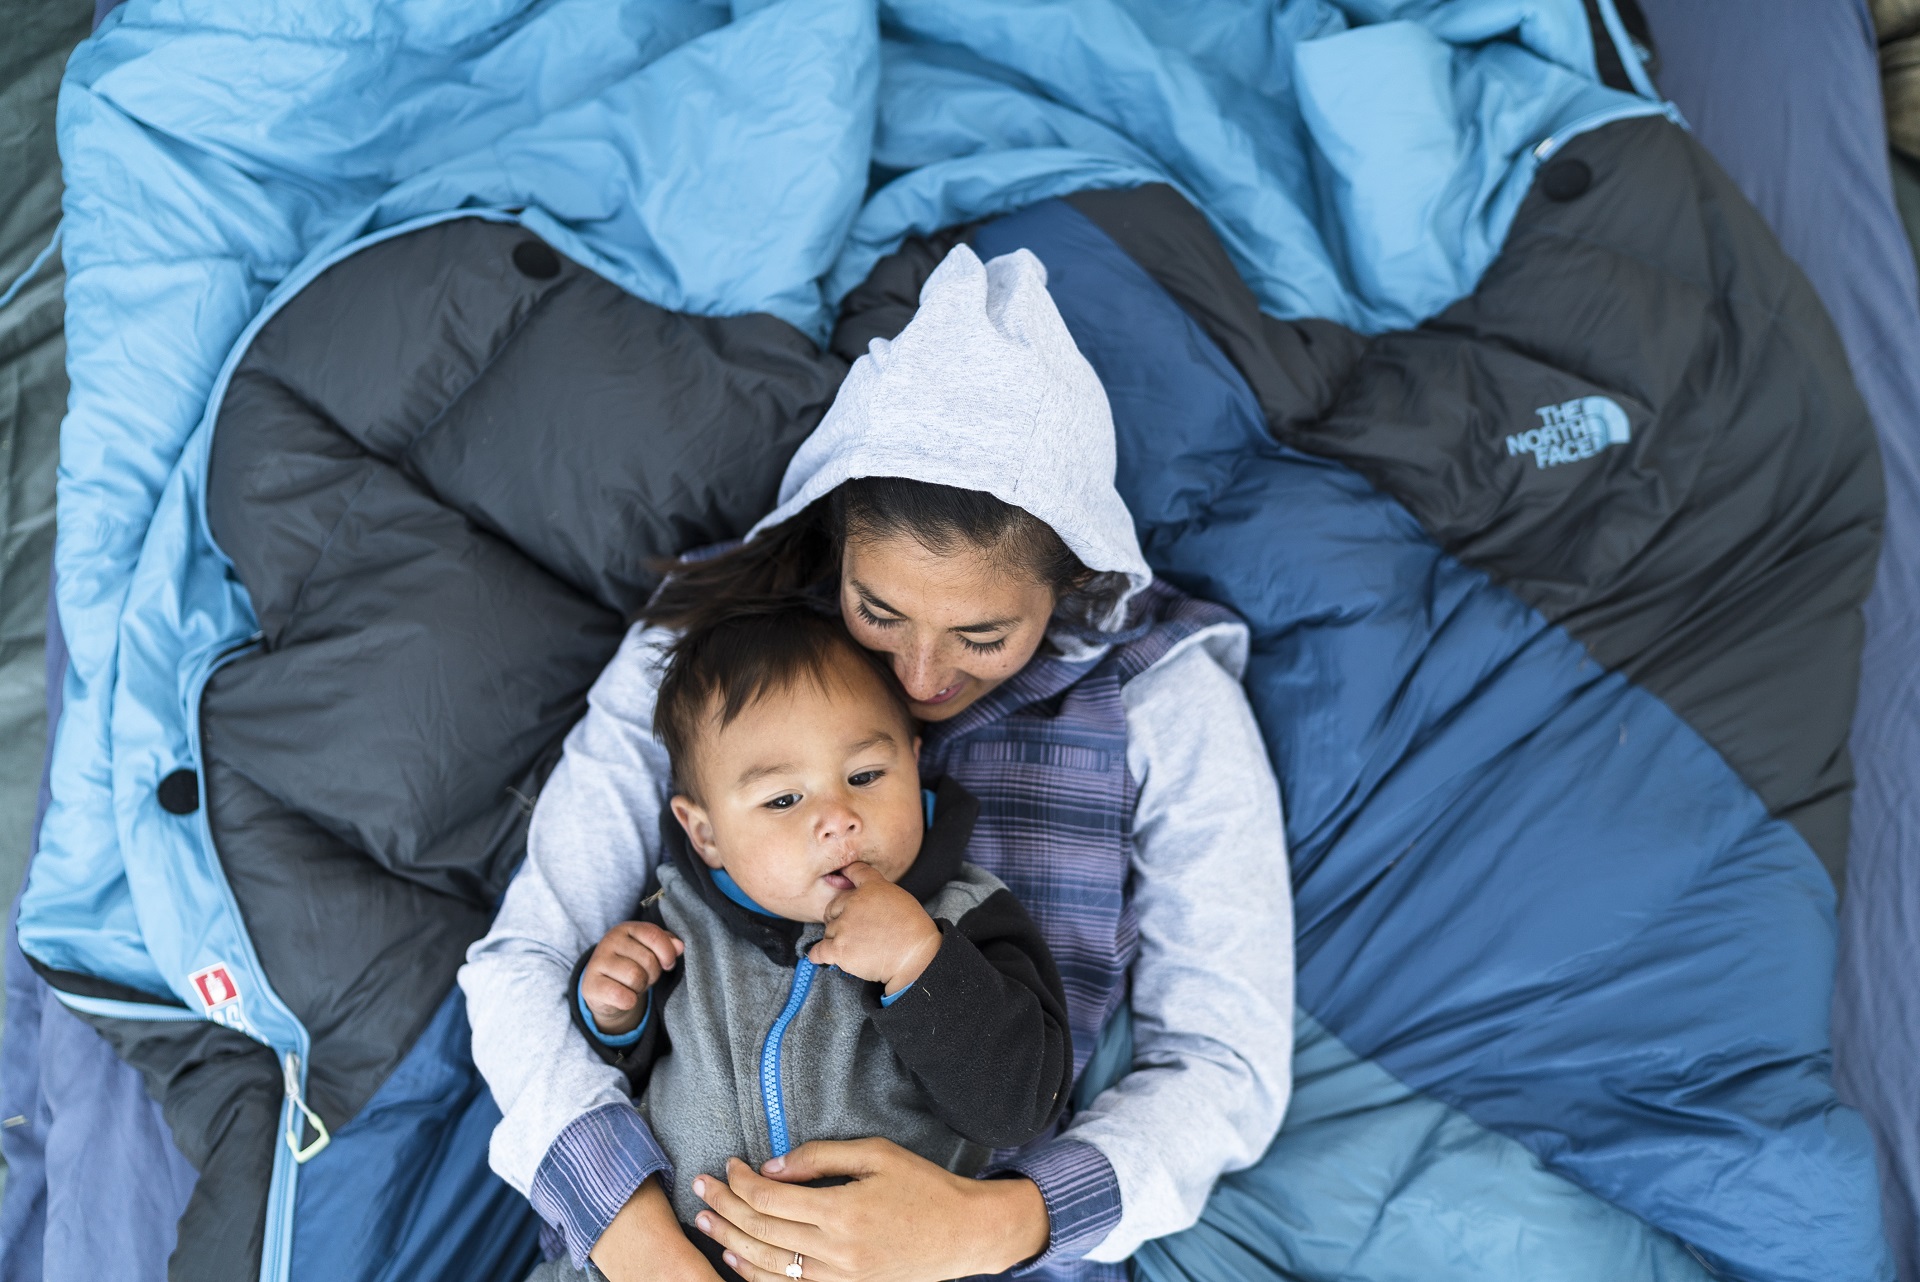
(802, 556)
(761, 647)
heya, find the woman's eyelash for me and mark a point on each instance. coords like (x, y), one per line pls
(977, 647)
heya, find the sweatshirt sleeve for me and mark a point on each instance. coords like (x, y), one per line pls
(984, 1028)
(1212, 987)
(593, 840)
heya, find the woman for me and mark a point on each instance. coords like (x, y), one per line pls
(959, 500)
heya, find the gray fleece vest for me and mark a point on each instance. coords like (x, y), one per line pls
(766, 1057)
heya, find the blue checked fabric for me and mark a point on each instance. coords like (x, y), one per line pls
(1046, 754)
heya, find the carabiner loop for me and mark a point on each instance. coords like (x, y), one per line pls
(290, 1065)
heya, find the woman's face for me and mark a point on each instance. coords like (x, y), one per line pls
(954, 625)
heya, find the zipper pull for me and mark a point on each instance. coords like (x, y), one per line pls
(290, 1066)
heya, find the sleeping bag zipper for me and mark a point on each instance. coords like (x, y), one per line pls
(770, 1095)
(276, 1256)
(299, 1115)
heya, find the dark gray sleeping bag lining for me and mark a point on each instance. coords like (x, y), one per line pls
(445, 473)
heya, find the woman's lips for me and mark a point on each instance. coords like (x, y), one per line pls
(942, 696)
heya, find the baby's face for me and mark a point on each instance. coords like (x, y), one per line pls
(804, 783)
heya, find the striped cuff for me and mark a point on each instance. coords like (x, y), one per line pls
(590, 1172)
(1082, 1195)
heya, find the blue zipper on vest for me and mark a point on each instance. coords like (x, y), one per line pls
(770, 1095)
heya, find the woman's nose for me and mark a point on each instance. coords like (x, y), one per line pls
(919, 674)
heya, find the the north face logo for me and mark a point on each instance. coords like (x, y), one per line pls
(1572, 430)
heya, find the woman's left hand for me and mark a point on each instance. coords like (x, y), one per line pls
(899, 1219)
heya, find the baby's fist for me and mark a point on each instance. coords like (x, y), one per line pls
(877, 931)
(627, 962)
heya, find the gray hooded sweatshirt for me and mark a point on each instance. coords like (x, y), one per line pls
(984, 389)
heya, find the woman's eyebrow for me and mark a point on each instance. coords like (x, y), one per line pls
(872, 598)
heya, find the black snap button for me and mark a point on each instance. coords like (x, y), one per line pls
(535, 260)
(1565, 180)
(179, 793)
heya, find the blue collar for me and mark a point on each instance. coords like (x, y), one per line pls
(731, 889)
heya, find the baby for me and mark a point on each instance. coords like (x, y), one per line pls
(847, 973)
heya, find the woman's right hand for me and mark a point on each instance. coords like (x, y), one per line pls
(645, 1243)
(897, 1218)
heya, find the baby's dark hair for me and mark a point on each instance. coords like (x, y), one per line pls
(725, 665)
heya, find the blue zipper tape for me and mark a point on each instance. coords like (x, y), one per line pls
(112, 1008)
(770, 1095)
(1629, 55)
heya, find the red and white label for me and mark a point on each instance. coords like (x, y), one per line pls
(215, 986)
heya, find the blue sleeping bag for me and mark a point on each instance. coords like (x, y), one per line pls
(1564, 968)
(1564, 956)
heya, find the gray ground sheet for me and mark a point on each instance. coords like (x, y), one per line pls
(33, 395)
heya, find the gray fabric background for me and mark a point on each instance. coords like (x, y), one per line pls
(33, 395)
(1906, 193)
(1786, 95)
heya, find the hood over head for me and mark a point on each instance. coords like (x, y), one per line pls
(983, 390)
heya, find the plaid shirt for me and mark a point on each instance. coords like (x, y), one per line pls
(1046, 754)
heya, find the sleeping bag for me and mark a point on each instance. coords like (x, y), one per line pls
(448, 471)
(1555, 595)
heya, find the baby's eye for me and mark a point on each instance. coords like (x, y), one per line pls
(785, 801)
(865, 777)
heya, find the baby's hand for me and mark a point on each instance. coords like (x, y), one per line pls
(627, 962)
(877, 931)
